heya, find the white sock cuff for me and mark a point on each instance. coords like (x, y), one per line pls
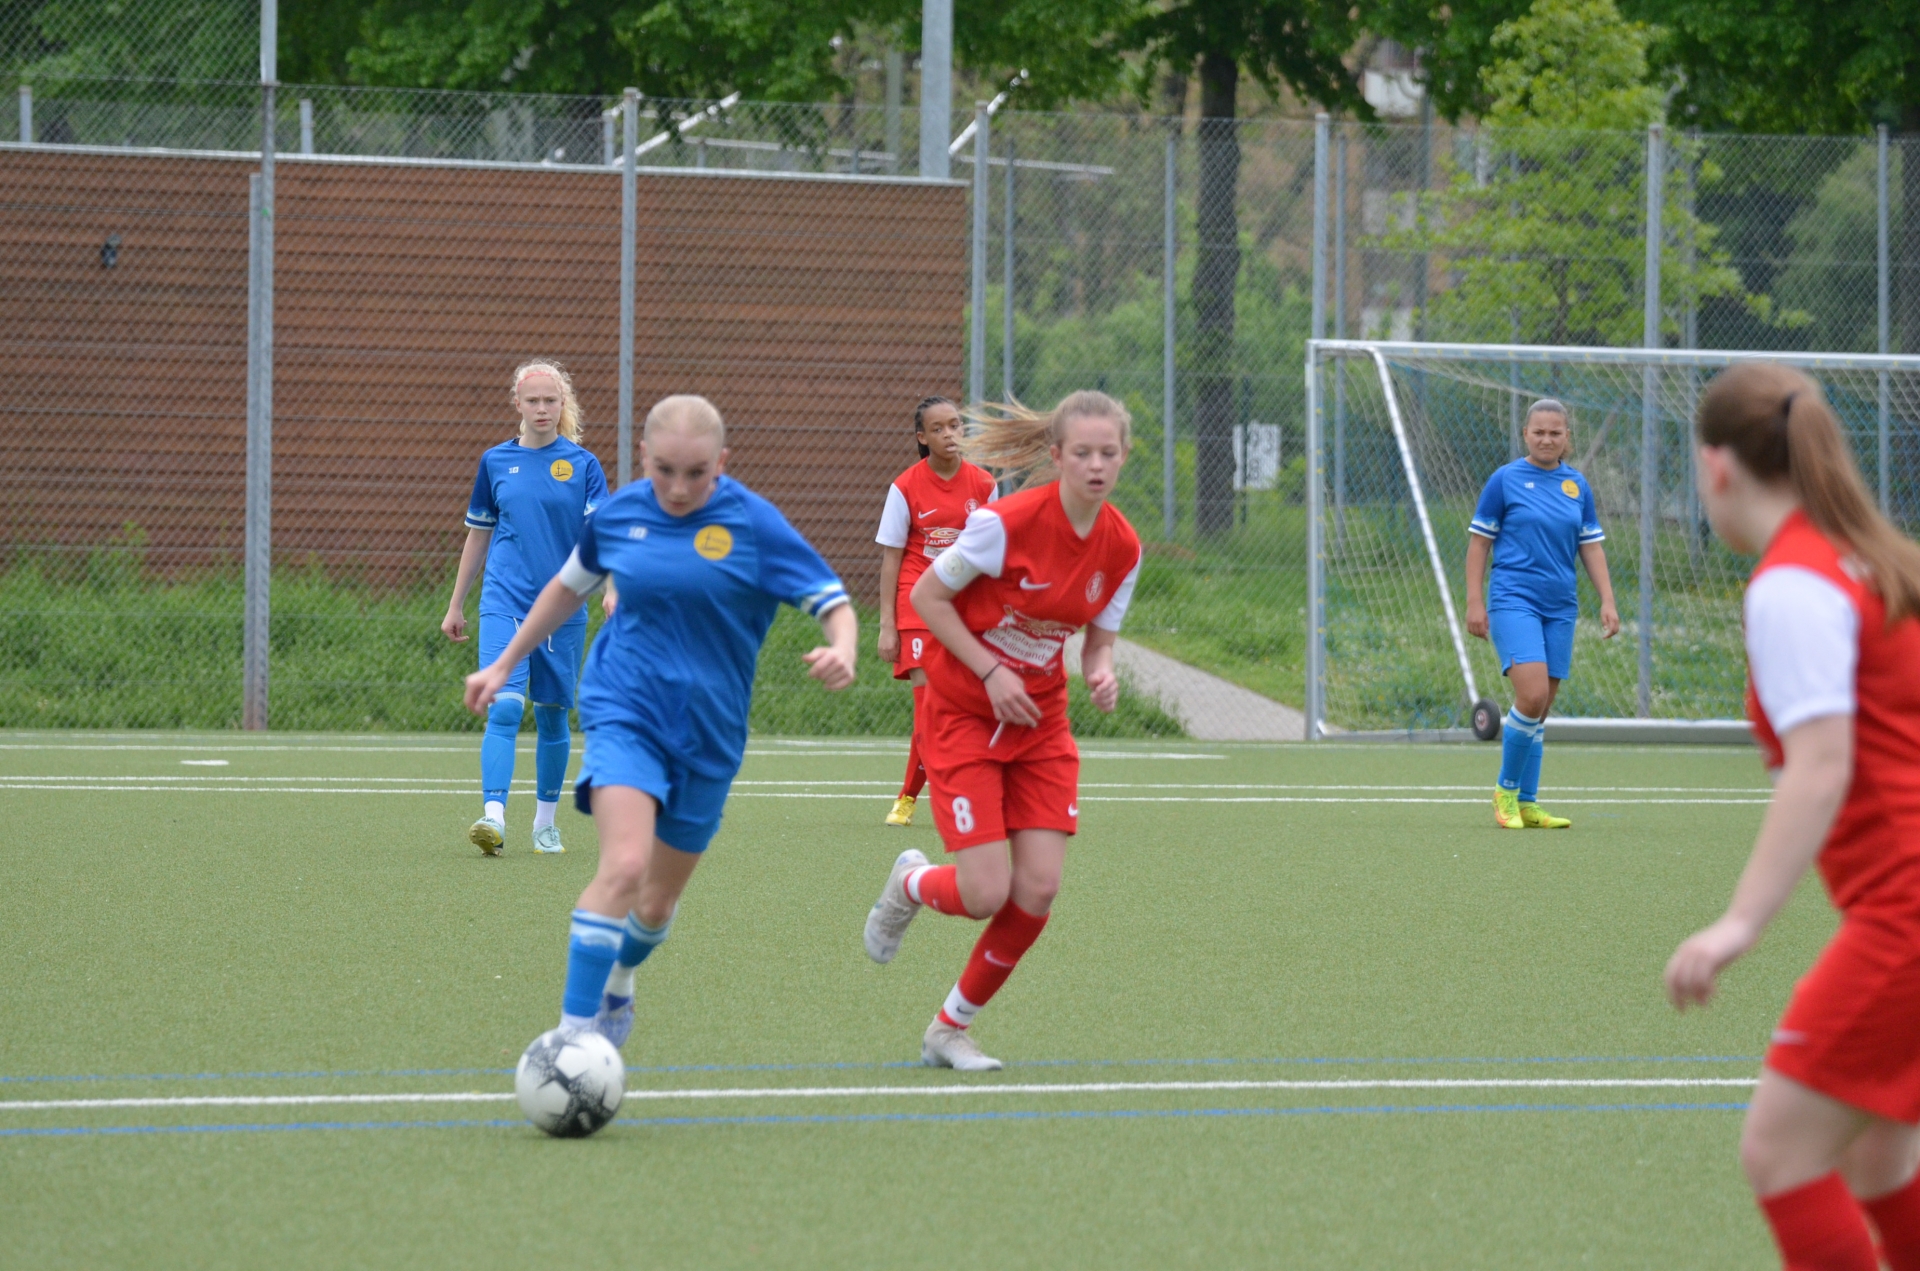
(649, 935)
(1522, 725)
(595, 930)
(913, 884)
(959, 1009)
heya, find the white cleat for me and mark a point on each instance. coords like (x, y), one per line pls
(615, 1020)
(887, 920)
(948, 1047)
(488, 835)
(546, 839)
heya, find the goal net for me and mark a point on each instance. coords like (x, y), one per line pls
(1403, 437)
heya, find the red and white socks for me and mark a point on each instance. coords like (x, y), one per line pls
(1009, 934)
(916, 778)
(938, 888)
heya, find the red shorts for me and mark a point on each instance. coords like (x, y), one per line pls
(916, 646)
(1028, 780)
(1852, 1030)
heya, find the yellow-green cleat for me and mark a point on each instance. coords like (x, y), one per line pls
(902, 813)
(1506, 809)
(1538, 818)
(488, 835)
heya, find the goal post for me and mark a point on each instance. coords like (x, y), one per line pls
(1401, 437)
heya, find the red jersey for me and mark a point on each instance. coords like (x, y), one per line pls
(923, 516)
(1026, 582)
(1811, 612)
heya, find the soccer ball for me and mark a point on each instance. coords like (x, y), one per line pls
(570, 1084)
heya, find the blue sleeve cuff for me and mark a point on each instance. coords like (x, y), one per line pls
(1484, 529)
(1592, 534)
(479, 520)
(820, 602)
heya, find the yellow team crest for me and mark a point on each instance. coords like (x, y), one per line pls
(714, 542)
(1570, 488)
(561, 470)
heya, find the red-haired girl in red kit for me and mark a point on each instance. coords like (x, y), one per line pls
(1833, 652)
(1024, 575)
(927, 506)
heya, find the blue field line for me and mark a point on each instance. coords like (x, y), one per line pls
(867, 1118)
(874, 1066)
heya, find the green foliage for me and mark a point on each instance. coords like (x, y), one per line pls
(1836, 229)
(1542, 223)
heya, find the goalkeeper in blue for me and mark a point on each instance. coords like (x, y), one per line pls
(701, 564)
(1535, 519)
(530, 498)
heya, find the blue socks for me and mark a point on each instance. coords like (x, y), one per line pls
(1520, 739)
(636, 942)
(591, 950)
(551, 753)
(496, 748)
(1530, 775)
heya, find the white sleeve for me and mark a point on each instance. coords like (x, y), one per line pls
(894, 520)
(1803, 641)
(1110, 618)
(993, 495)
(577, 576)
(980, 549)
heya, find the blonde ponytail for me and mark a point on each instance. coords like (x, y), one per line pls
(1778, 424)
(570, 423)
(1014, 441)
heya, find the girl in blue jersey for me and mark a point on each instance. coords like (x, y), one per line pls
(530, 498)
(1534, 518)
(702, 563)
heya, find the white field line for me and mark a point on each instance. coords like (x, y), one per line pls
(889, 784)
(464, 789)
(892, 1092)
(474, 747)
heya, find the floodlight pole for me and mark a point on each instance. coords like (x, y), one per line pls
(258, 549)
(1650, 409)
(936, 87)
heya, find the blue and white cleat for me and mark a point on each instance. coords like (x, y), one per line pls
(887, 920)
(488, 835)
(615, 1020)
(546, 840)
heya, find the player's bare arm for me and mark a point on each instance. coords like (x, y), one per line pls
(933, 601)
(1807, 796)
(888, 645)
(1594, 557)
(1096, 667)
(833, 662)
(473, 558)
(1479, 551)
(556, 604)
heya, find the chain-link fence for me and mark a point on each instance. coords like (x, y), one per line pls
(1171, 262)
(1401, 476)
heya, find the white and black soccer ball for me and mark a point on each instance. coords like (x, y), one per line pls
(570, 1084)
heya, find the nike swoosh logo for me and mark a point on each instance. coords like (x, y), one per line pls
(996, 961)
(924, 515)
(1073, 809)
(1027, 586)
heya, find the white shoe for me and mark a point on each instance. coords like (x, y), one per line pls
(887, 920)
(948, 1047)
(615, 1020)
(547, 839)
(488, 835)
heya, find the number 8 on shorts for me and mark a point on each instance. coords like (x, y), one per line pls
(963, 815)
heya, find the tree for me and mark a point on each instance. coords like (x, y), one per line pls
(1296, 44)
(1544, 228)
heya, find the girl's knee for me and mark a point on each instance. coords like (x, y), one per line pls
(984, 897)
(552, 723)
(1035, 892)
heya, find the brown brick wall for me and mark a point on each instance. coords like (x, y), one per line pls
(814, 313)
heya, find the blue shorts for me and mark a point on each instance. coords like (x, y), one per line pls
(1519, 636)
(550, 675)
(688, 806)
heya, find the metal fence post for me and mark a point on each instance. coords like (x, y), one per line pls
(306, 125)
(255, 670)
(1321, 127)
(1650, 409)
(1883, 268)
(936, 86)
(1340, 333)
(26, 114)
(977, 355)
(896, 82)
(1006, 284)
(629, 159)
(1169, 230)
(1316, 695)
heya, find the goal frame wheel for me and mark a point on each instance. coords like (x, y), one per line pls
(1486, 720)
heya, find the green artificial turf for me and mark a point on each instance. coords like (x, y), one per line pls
(235, 931)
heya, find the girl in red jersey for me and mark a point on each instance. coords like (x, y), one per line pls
(927, 505)
(1833, 652)
(1024, 575)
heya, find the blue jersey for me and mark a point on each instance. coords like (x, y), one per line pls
(1538, 520)
(697, 594)
(534, 502)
